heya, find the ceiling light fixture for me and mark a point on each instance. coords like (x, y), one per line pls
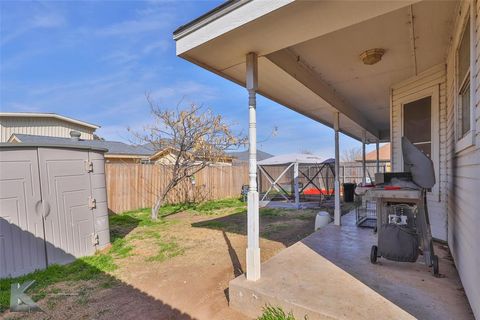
(372, 56)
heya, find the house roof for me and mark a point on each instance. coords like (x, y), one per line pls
(205, 18)
(113, 147)
(243, 155)
(384, 154)
(161, 153)
(47, 115)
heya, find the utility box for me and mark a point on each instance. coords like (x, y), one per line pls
(53, 206)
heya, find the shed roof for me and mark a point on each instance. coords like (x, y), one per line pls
(114, 147)
(7, 145)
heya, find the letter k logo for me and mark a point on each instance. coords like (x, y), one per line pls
(19, 301)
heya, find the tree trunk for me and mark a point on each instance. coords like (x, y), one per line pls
(156, 208)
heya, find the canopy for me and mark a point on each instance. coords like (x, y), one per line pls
(299, 158)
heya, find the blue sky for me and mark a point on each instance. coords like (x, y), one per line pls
(94, 61)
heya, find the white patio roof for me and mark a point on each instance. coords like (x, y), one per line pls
(309, 53)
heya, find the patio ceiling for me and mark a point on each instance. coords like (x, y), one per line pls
(309, 53)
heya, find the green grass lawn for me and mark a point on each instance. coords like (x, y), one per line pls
(125, 230)
(136, 239)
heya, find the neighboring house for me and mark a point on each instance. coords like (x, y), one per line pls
(241, 157)
(167, 156)
(383, 157)
(375, 71)
(43, 124)
(118, 152)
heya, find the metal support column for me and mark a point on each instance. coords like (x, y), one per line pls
(378, 157)
(295, 185)
(364, 166)
(337, 212)
(253, 242)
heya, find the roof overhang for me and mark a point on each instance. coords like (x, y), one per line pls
(47, 115)
(309, 53)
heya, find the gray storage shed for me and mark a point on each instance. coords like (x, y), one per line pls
(53, 205)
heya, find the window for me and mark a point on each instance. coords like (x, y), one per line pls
(464, 83)
(417, 124)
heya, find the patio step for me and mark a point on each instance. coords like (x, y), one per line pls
(301, 281)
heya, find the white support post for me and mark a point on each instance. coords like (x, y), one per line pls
(364, 166)
(378, 157)
(253, 243)
(295, 185)
(337, 212)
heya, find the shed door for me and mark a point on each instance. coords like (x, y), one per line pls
(22, 247)
(66, 188)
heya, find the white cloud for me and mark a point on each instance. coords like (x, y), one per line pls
(136, 26)
(39, 21)
(22, 107)
(120, 57)
(94, 83)
(48, 21)
(162, 46)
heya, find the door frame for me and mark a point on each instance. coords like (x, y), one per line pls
(434, 93)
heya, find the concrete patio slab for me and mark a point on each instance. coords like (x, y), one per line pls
(328, 275)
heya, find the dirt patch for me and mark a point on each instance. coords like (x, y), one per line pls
(179, 269)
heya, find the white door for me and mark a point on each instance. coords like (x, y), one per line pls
(66, 188)
(22, 245)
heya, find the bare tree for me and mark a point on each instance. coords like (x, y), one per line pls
(351, 155)
(196, 137)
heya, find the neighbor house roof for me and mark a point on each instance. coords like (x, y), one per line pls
(47, 115)
(243, 155)
(384, 154)
(161, 153)
(114, 147)
(170, 150)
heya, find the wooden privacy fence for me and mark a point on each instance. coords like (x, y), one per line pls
(134, 186)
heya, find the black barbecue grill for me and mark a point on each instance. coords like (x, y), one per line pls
(403, 225)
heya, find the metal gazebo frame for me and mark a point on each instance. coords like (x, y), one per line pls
(323, 170)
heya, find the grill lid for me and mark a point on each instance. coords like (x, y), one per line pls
(420, 166)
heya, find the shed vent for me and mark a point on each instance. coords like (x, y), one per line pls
(75, 135)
